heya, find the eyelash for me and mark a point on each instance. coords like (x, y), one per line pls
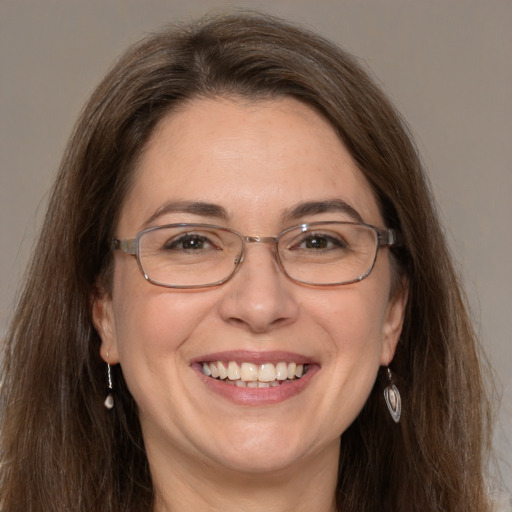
(184, 237)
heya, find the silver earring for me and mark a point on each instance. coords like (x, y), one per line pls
(109, 401)
(393, 400)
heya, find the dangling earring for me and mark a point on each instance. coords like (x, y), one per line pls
(392, 397)
(109, 401)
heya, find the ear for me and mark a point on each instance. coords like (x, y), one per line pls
(393, 322)
(104, 322)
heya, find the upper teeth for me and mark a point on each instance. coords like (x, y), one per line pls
(252, 372)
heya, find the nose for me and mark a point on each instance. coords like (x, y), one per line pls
(259, 297)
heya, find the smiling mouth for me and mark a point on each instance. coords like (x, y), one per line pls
(253, 375)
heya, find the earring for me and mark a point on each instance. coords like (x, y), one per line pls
(392, 397)
(109, 401)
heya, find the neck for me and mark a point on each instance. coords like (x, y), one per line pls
(308, 485)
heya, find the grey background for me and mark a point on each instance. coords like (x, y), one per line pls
(445, 63)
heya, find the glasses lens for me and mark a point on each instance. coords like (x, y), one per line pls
(330, 253)
(187, 256)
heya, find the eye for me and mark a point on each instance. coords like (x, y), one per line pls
(320, 242)
(190, 242)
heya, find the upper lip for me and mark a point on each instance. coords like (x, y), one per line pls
(256, 357)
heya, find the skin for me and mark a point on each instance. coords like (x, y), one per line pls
(256, 160)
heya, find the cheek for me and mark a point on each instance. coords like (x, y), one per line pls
(153, 338)
(353, 317)
(155, 323)
(152, 321)
(350, 321)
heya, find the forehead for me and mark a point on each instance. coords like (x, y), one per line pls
(254, 159)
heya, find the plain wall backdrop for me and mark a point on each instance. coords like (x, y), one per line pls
(446, 64)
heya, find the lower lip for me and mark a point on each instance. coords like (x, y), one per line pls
(259, 396)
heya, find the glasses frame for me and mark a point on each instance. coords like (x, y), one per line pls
(385, 238)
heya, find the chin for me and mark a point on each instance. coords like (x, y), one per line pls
(269, 452)
(259, 463)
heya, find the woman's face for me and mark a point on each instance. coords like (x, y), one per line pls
(255, 163)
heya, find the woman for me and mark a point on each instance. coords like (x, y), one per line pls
(241, 298)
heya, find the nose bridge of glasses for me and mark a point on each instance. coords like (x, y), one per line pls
(260, 239)
(256, 240)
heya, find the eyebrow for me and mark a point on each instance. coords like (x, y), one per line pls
(305, 209)
(194, 207)
(293, 213)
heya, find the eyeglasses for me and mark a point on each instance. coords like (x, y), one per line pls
(199, 255)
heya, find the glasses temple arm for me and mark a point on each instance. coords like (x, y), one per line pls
(128, 246)
(389, 237)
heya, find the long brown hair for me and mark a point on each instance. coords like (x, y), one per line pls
(62, 450)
